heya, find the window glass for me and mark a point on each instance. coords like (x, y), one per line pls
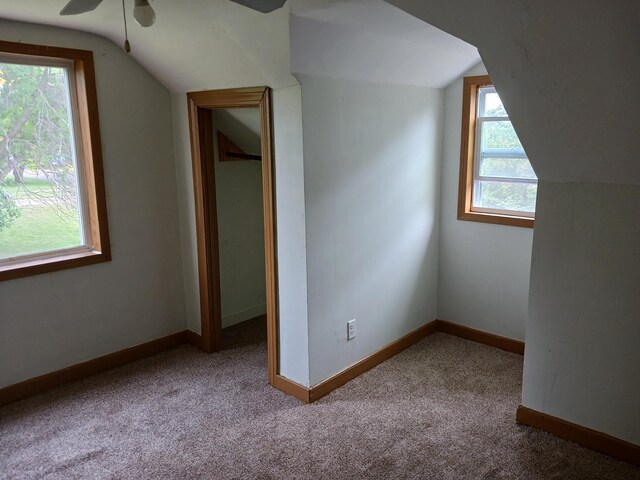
(503, 177)
(53, 211)
(499, 135)
(505, 167)
(40, 192)
(489, 103)
(508, 196)
(497, 182)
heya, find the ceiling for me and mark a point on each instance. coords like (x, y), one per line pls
(202, 44)
(195, 44)
(374, 41)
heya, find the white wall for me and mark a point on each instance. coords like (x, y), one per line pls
(186, 209)
(292, 236)
(58, 319)
(582, 358)
(240, 218)
(371, 169)
(483, 279)
(567, 73)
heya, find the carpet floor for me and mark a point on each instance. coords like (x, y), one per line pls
(442, 409)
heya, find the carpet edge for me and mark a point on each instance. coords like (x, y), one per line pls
(601, 442)
(47, 381)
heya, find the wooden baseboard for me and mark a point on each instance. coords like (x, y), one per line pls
(291, 388)
(39, 384)
(491, 339)
(44, 382)
(584, 436)
(325, 387)
(385, 353)
(194, 339)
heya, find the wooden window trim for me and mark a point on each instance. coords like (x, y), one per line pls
(467, 149)
(89, 142)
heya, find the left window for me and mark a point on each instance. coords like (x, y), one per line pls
(52, 202)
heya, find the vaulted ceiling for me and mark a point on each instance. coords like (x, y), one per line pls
(201, 44)
(567, 73)
(371, 40)
(194, 44)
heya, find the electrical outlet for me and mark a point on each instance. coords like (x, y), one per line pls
(351, 329)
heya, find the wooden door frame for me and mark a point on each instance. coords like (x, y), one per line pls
(200, 105)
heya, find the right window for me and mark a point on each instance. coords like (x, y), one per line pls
(497, 182)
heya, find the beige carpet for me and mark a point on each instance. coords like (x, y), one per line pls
(443, 409)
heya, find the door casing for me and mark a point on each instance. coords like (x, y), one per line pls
(200, 106)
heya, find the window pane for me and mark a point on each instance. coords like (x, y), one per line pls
(519, 197)
(39, 201)
(507, 168)
(499, 135)
(489, 103)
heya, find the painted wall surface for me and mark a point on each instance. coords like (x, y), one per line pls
(186, 209)
(371, 169)
(240, 218)
(582, 361)
(292, 236)
(483, 279)
(54, 320)
(556, 65)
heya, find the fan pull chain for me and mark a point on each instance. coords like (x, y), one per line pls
(127, 47)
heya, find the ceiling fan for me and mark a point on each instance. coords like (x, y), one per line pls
(74, 7)
(145, 15)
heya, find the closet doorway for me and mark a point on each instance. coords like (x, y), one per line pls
(212, 112)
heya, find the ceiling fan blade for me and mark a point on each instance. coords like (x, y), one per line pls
(74, 7)
(264, 6)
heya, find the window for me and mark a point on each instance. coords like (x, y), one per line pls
(497, 182)
(52, 204)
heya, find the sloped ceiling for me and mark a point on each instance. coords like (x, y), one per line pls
(567, 73)
(194, 44)
(371, 40)
(241, 126)
(203, 44)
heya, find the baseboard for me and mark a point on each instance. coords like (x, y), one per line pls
(584, 436)
(47, 381)
(194, 339)
(44, 382)
(327, 386)
(244, 315)
(491, 339)
(291, 388)
(309, 395)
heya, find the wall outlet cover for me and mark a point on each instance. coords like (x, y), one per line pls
(351, 329)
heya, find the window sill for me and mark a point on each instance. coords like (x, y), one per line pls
(52, 264)
(497, 219)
